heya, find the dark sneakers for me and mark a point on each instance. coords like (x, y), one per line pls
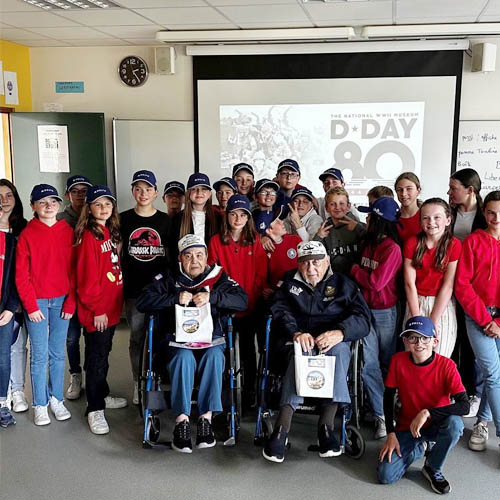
(328, 444)
(6, 417)
(438, 483)
(275, 447)
(182, 437)
(204, 434)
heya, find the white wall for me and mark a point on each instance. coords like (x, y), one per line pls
(165, 97)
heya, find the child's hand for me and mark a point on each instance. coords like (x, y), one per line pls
(5, 317)
(36, 317)
(324, 230)
(101, 322)
(185, 298)
(492, 329)
(391, 445)
(267, 244)
(294, 216)
(66, 315)
(418, 422)
(348, 222)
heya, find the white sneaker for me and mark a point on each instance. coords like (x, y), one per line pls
(97, 422)
(135, 399)
(75, 386)
(58, 409)
(113, 402)
(19, 402)
(479, 437)
(41, 415)
(474, 402)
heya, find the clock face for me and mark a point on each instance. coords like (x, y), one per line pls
(133, 71)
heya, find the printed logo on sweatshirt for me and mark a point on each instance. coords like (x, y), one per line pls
(366, 262)
(145, 244)
(296, 290)
(343, 250)
(291, 253)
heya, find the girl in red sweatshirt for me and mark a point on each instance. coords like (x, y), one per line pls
(99, 295)
(377, 276)
(238, 250)
(430, 264)
(478, 291)
(45, 282)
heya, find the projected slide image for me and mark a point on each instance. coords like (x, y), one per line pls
(372, 143)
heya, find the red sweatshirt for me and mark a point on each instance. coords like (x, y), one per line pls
(245, 265)
(44, 264)
(378, 274)
(99, 280)
(283, 259)
(477, 281)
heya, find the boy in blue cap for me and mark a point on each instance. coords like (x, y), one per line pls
(426, 383)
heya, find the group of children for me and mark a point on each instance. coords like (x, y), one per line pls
(409, 260)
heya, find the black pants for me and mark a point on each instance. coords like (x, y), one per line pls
(97, 349)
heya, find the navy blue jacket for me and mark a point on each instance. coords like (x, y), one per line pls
(335, 304)
(226, 297)
(10, 298)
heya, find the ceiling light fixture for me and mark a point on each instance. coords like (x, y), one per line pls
(430, 30)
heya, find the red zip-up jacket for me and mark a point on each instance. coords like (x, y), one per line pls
(477, 281)
(45, 264)
(245, 265)
(99, 280)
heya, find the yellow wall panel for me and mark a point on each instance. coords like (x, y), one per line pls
(16, 58)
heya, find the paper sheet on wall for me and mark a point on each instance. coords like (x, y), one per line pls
(2, 92)
(53, 151)
(10, 88)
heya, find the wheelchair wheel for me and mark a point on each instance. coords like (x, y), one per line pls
(143, 370)
(357, 385)
(238, 374)
(354, 442)
(153, 428)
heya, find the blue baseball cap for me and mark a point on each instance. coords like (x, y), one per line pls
(262, 183)
(76, 179)
(198, 179)
(170, 186)
(302, 190)
(242, 166)
(384, 207)
(228, 181)
(291, 164)
(333, 172)
(421, 325)
(41, 191)
(238, 201)
(99, 191)
(145, 176)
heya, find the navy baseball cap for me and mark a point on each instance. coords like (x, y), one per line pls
(228, 181)
(242, 166)
(384, 207)
(198, 179)
(421, 325)
(238, 201)
(262, 183)
(302, 190)
(334, 172)
(99, 191)
(41, 191)
(291, 164)
(145, 176)
(76, 179)
(170, 186)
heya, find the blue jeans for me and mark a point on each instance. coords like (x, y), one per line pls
(342, 353)
(5, 343)
(73, 344)
(208, 364)
(487, 352)
(446, 435)
(18, 355)
(48, 343)
(378, 347)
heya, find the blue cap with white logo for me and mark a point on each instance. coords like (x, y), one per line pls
(77, 179)
(238, 201)
(302, 190)
(198, 179)
(99, 191)
(262, 183)
(384, 207)
(41, 191)
(174, 185)
(333, 172)
(421, 325)
(228, 181)
(242, 166)
(291, 164)
(145, 176)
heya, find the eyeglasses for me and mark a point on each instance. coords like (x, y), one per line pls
(267, 193)
(415, 339)
(289, 175)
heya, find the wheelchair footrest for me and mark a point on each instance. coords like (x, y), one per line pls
(155, 400)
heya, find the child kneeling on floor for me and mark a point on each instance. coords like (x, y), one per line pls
(426, 383)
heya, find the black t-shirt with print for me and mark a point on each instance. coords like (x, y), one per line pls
(144, 252)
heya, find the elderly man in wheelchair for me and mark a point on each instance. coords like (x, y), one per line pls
(323, 311)
(214, 297)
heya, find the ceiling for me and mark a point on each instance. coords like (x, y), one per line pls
(137, 21)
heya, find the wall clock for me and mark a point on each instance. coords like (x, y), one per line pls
(133, 71)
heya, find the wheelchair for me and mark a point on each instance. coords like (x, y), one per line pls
(154, 389)
(351, 441)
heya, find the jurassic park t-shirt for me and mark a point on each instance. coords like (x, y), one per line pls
(144, 250)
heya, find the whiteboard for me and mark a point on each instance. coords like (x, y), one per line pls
(479, 148)
(164, 147)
